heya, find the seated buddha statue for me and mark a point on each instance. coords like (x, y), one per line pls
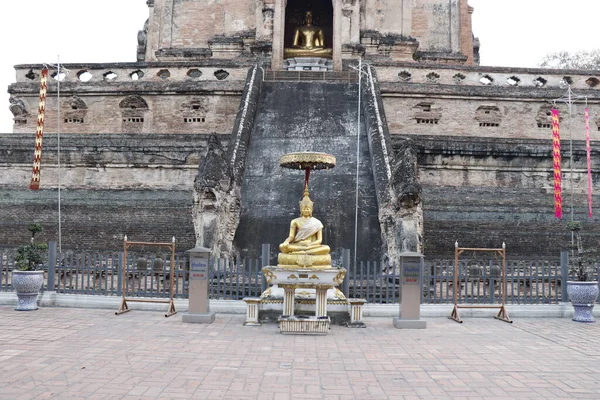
(309, 41)
(303, 246)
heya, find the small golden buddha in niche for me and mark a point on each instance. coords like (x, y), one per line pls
(309, 41)
(304, 244)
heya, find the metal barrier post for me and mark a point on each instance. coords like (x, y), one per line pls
(120, 274)
(346, 264)
(264, 261)
(564, 274)
(51, 265)
(598, 275)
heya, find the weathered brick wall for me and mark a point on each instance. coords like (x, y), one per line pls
(387, 16)
(193, 23)
(482, 192)
(111, 185)
(457, 98)
(436, 24)
(479, 191)
(465, 117)
(191, 99)
(93, 219)
(485, 102)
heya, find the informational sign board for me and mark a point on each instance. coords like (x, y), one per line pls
(411, 272)
(198, 268)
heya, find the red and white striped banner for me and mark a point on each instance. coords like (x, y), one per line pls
(39, 134)
(589, 160)
(556, 163)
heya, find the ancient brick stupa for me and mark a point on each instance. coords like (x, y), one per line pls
(186, 137)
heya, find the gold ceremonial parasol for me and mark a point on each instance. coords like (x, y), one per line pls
(307, 161)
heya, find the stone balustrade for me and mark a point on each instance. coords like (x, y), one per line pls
(489, 76)
(128, 72)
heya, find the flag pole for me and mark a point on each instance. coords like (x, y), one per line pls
(58, 151)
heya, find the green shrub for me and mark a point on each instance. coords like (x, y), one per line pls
(31, 257)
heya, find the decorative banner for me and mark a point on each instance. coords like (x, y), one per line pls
(556, 159)
(589, 160)
(39, 134)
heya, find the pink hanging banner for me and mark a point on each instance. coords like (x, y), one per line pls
(556, 164)
(589, 160)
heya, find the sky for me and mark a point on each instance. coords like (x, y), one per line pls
(513, 33)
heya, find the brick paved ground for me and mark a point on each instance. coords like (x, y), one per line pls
(68, 353)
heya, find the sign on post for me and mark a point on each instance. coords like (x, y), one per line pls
(411, 272)
(198, 268)
(199, 304)
(411, 269)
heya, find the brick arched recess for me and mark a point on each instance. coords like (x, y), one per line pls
(279, 33)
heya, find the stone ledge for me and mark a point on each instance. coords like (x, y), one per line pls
(53, 299)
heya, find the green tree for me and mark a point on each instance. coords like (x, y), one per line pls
(589, 60)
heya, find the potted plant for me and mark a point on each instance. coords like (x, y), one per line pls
(28, 277)
(582, 291)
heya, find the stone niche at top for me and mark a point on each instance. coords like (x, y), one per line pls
(308, 36)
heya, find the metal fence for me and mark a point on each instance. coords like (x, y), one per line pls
(93, 273)
(296, 76)
(527, 282)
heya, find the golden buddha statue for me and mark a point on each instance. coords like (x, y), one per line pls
(303, 246)
(309, 41)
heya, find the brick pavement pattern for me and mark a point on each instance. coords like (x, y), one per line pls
(69, 353)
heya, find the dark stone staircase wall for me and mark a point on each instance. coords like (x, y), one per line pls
(307, 116)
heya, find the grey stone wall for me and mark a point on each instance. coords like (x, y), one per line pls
(482, 192)
(98, 219)
(112, 185)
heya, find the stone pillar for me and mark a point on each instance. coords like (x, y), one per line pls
(278, 33)
(153, 35)
(455, 26)
(166, 27)
(406, 24)
(252, 304)
(337, 35)
(466, 32)
(264, 20)
(267, 13)
(288, 300)
(321, 302)
(356, 312)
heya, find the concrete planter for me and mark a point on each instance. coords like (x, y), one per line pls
(27, 284)
(583, 295)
